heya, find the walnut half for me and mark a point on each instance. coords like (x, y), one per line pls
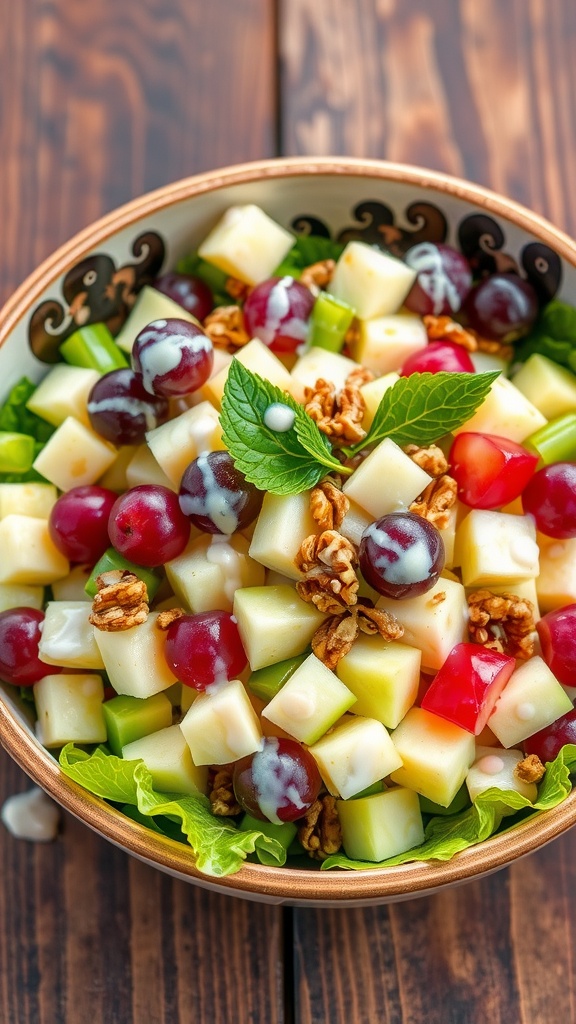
(121, 601)
(320, 832)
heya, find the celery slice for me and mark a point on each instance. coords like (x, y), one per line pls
(93, 346)
(556, 441)
(17, 452)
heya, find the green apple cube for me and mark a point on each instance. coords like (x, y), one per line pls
(531, 700)
(129, 718)
(63, 392)
(69, 709)
(550, 387)
(266, 682)
(246, 243)
(222, 726)
(370, 280)
(211, 569)
(355, 755)
(27, 552)
(274, 623)
(329, 322)
(167, 757)
(283, 524)
(310, 702)
(29, 499)
(381, 826)
(434, 622)
(112, 559)
(404, 480)
(436, 755)
(13, 595)
(150, 305)
(134, 658)
(384, 677)
(68, 637)
(495, 768)
(496, 547)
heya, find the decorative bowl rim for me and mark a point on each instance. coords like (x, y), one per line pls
(257, 880)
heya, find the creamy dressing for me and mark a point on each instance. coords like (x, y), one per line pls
(524, 551)
(219, 503)
(274, 782)
(159, 356)
(123, 404)
(490, 765)
(401, 564)
(432, 278)
(277, 310)
(279, 417)
(31, 815)
(525, 711)
(220, 552)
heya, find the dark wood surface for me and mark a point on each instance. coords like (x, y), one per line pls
(98, 103)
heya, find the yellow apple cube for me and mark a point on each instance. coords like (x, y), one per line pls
(134, 658)
(495, 768)
(495, 547)
(383, 676)
(354, 755)
(72, 586)
(246, 243)
(74, 456)
(319, 363)
(550, 387)
(274, 623)
(256, 356)
(434, 622)
(436, 755)
(382, 825)
(31, 499)
(532, 699)
(386, 481)
(179, 441)
(14, 595)
(168, 759)
(143, 468)
(69, 709)
(556, 582)
(283, 524)
(373, 392)
(222, 726)
(310, 701)
(64, 392)
(506, 412)
(211, 569)
(371, 281)
(27, 552)
(68, 637)
(387, 341)
(150, 305)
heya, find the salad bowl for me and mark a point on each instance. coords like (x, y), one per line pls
(94, 278)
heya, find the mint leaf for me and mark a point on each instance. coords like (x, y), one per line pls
(284, 462)
(554, 335)
(424, 406)
(308, 249)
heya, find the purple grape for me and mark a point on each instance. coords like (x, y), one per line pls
(174, 357)
(277, 312)
(216, 496)
(502, 307)
(443, 279)
(188, 291)
(401, 555)
(120, 410)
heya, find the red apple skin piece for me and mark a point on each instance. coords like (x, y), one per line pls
(468, 685)
(490, 470)
(548, 743)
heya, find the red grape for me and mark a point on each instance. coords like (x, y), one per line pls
(78, 523)
(121, 410)
(277, 783)
(277, 312)
(147, 526)
(173, 356)
(490, 471)
(20, 631)
(557, 632)
(443, 279)
(205, 649)
(548, 743)
(502, 307)
(216, 496)
(438, 357)
(401, 555)
(188, 291)
(551, 498)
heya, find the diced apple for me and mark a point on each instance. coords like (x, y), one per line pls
(316, 363)
(274, 623)
(246, 243)
(381, 826)
(167, 757)
(74, 456)
(27, 552)
(69, 709)
(495, 768)
(115, 477)
(129, 718)
(467, 686)
(434, 622)
(30, 499)
(494, 547)
(134, 658)
(550, 387)
(383, 676)
(222, 726)
(150, 305)
(71, 587)
(354, 755)
(436, 755)
(283, 524)
(373, 392)
(505, 412)
(143, 468)
(404, 480)
(370, 280)
(179, 441)
(210, 571)
(556, 581)
(14, 595)
(355, 522)
(533, 698)
(68, 637)
(311, 701)
(64, 392)
(256, 356)
(385, 342)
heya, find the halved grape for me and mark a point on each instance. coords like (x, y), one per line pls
(277, 783)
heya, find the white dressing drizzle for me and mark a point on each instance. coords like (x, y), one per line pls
(279, 417)
(219, 503)
(220, 552)
(162, 355)
(432, 278)
(273, 782)
(124, 404)
(31, 815)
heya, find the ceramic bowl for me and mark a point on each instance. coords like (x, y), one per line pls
(92, 277)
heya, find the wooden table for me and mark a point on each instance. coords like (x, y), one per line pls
(101, 102)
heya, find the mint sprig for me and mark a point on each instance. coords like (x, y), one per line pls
(284, 462)
(424, 406)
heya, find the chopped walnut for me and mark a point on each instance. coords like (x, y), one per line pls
(444, 328)
(222, 799)
(361, 375)
(318, 275)
(165, 619)
(530, 769)
(121, 601)
(329, 562)
(236, 289)
(431, 459)
(320, 832)
(495, 348)
(338, 414)
(436, 500)
(502, 622)
(328, 505)
(352, 336)
(335, 637)
(225, 327)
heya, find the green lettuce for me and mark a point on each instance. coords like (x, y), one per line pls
(446, 836)
(219, 847)
(553, 335)
(16, 418)
(308, 249)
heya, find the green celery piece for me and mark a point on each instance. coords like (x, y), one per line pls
(111, 559)
(266, 682)
(285, 833)
(93, 346)
(460, 801)
(329, 321)
(17, 452)
(555, 441)
(129, 718)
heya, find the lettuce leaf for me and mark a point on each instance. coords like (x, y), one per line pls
(219, 847)
(444, 837)
(16, 418)
(308, 249)
(554, 335)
